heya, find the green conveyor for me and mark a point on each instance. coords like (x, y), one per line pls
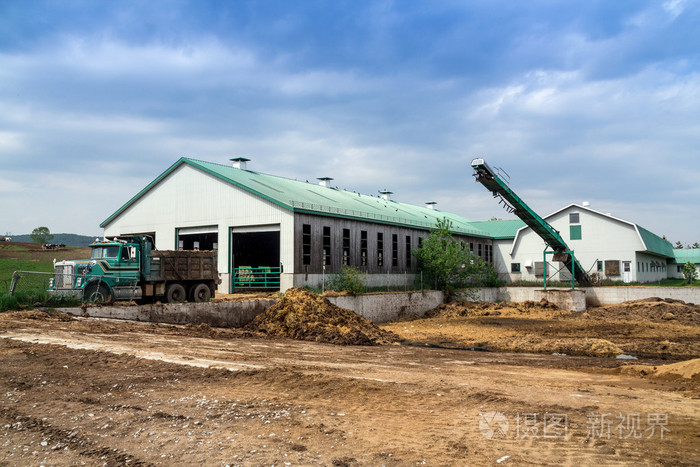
(487, 177)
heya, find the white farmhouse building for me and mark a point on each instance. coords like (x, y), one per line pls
(604, 245)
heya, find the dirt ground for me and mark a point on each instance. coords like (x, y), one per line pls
(652, 328)
(83, 390)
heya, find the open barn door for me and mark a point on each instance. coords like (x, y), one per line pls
(255, 257)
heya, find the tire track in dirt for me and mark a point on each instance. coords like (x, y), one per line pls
(19, 422)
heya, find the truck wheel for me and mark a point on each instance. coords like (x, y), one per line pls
(175, 293)
(98, 294)
(201, 293)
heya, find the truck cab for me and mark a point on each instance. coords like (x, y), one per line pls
(112, 272)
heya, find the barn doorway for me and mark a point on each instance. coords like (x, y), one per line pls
(198, 238)
(255, 257)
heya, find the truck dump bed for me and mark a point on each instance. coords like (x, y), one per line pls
(183, 265)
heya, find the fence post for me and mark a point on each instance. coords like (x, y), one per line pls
(13, 284)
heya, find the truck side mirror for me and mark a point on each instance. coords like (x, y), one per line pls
(132, 253)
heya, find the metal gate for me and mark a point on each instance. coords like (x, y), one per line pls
(256, 278)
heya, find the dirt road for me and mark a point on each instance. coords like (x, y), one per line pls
(98, 391)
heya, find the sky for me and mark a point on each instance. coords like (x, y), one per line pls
(594, 101)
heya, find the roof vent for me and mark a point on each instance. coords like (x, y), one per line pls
(430, 204)
(324, 181)
(586, 204)
(239, 162)
(386, 194)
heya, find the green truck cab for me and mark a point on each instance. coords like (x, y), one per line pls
(129, 268)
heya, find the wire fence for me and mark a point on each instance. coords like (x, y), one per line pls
(28, 281)
(29, 289)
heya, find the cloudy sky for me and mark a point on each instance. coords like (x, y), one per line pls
(594, 100)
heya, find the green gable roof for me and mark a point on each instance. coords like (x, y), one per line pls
(500, 229)
(298, 196)
(683, 255)
(655, 244)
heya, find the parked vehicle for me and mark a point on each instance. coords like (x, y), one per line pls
(129, 268)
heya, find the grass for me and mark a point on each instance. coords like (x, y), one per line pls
(32, 299)
(31, 257)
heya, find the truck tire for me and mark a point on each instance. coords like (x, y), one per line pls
(98, 294)
(175, 293)
(201, 293)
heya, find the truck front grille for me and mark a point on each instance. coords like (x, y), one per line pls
(64, 277)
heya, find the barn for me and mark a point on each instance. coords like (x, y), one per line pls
(275, 232)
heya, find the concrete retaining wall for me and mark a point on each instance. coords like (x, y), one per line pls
(375, 307)
(380, 308)
(611, 295)
(566, 299)
(217, 314)
(594, 296)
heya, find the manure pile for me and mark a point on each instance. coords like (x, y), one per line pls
(464, 308)
(302, 315)
(649, 309)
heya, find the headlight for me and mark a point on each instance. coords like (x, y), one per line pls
(78, 281)
(51, 283)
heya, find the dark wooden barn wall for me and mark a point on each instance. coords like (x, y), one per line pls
(356, 227)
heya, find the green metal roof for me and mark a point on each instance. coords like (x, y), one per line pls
(299, 196)
(683, 255)
(655, 244)
(500, 229)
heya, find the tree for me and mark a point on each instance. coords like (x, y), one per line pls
(41, 235)
(695, 245)
(449, 264)
(689, 272)
(678, 245)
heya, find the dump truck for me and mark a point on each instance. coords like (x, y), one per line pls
(129, 268)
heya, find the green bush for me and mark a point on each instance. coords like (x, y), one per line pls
(349, 280)
(689, 272)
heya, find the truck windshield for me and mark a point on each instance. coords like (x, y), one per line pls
(104, 252)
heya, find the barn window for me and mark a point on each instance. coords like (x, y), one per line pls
(408, 251)
(478, 248)
(380, 249)
(394, 250)
(346, 247)
(327, 245)
(612, 267)
(363, 247)
(514, 267)
(574, 218)
(575, 232)
(306, 244)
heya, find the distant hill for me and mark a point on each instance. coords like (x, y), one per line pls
(61, 238)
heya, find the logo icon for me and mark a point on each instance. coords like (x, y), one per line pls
(493, 425)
